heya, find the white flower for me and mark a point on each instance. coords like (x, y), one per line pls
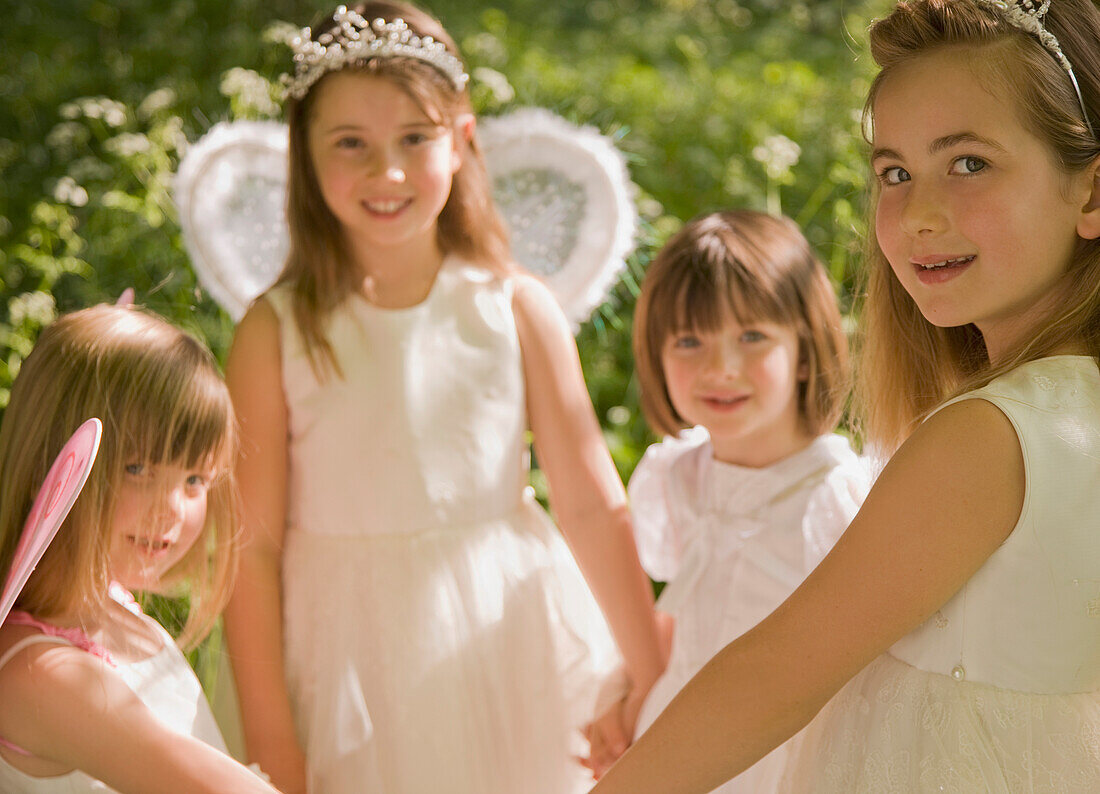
(779, 154)
(67, 191)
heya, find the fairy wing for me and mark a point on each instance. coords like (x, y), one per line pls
(563, 190)
(55, 498)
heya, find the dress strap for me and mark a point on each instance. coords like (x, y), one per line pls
(72, 636)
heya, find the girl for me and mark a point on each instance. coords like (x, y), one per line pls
(737, 332)
(405, 610)
(95, 693)
(956, 620)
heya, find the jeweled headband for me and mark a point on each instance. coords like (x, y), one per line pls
(354, 40)
(1028, 16)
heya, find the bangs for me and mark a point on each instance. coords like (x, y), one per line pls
(704, 295)
(177, 412)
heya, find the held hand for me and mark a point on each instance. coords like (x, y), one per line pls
(607, 740)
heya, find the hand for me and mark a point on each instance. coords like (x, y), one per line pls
(612, 733)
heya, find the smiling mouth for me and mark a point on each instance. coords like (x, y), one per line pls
(947, 263)
(724, 402)
(149, 545)
(386, 207)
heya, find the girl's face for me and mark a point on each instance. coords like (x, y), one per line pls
(974, 217)
(384, 168)
(160, 511)
(740, 382)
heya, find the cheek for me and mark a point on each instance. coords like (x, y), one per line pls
(679, 375)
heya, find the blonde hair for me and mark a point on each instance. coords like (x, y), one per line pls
(907, 365)
(160, 398)
(757, 267)
(319, 269)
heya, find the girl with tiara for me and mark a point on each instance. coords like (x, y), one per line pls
(737, 332)
(950, 641)
(95, 694)
(407, 619)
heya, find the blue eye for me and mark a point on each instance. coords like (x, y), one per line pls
(135, 469)
(686, 341)
(968, 165)
(752, 335)
(893, 175)
(348, 143)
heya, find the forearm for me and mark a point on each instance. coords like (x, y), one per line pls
(254, 636)
(736, 710)
(603, 545)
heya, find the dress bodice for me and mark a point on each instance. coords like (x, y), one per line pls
(425, 430)
(1029, 619)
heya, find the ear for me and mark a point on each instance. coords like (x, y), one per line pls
(1088, 225)
(463, 133)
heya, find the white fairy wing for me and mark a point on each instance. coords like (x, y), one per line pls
(230, 191)
(563, 191)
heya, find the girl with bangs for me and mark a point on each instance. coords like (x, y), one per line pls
(743, 365)
(407, 617)
(96, 695)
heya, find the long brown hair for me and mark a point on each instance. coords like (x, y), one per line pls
(160, 398)
(907, 365)
(319, 269)
(757, 267)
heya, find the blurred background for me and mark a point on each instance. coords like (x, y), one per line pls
(715, 103)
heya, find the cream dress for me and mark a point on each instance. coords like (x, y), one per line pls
(999, 691)
(439, 636)
(164, 682)
(732, 543)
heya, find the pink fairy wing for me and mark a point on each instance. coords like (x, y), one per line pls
(55, 498)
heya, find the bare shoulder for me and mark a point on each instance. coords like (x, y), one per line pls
(539, 318)
(257, 336)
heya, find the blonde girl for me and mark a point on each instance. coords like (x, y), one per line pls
(949, 641)
(743, 365)
(95, 693)
(407, 619)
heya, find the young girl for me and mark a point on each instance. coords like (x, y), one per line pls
(737, 332)
(952, 631)
(94, 693)
(406, 614)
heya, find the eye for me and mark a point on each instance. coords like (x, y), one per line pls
(415, 138)
(686, 341)
(752, 335)
(136, 469)
(893, 175)
(968, 165)
(349, 142)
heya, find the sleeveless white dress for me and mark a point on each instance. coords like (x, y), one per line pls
(733, 543)
(999, 691)
(166, 685)
(439, 636)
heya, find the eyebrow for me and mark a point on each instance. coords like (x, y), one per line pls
(945, 142)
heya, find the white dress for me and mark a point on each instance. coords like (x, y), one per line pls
(439, 636)
(166, 685)
(732, 543)
(1000, 690)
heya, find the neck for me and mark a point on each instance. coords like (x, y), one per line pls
(400, 277)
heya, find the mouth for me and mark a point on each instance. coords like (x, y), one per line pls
(723, 402)
(153, 547)
(386, 208)
(944, 264)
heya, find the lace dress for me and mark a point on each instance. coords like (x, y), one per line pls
(1000, 690)
(439, 636)
(733, 542)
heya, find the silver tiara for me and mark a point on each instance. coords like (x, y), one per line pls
(355, 40)
(1028, 16)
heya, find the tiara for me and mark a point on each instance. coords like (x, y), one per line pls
(354, 40)
(1028, 16)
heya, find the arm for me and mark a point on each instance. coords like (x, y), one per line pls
(585, 491)
(946, 501)
(253, 618)
(71, 711)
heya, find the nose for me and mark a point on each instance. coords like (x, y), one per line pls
(387, 164)
(923, 211)
(169, 504)
(724, 358)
